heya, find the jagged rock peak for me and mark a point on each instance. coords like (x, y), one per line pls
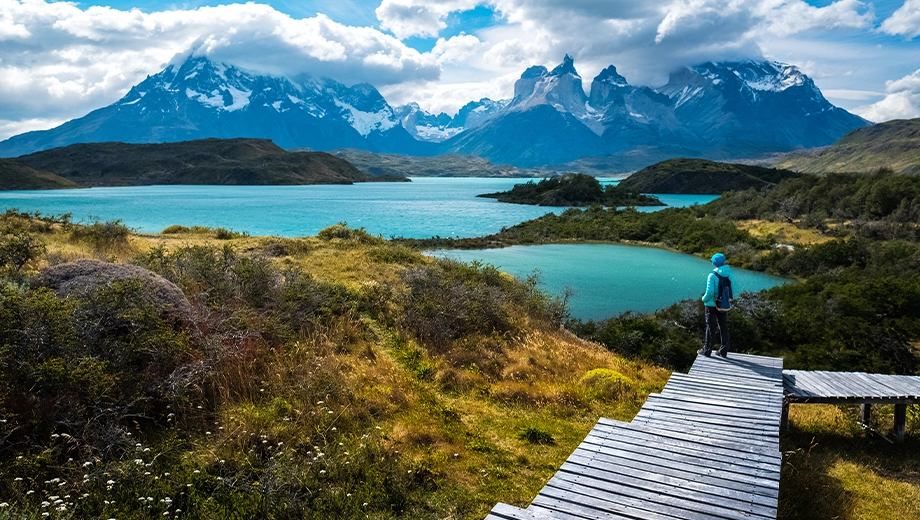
(610, 75)
(566, 67)
(535, 71)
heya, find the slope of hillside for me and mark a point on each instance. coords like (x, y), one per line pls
(206, 161)
(446, 165)
(893, 144)
(16, 176)
(701, 176)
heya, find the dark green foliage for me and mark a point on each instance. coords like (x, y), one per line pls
(858, 309)
(82, 365)
(572, 189)
(535, 435)
(679, 228)
(396, 254)
(19, 249)
(226, 234)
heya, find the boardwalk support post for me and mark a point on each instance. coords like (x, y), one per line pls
(900, 419)
(784, 418)
(865, 413)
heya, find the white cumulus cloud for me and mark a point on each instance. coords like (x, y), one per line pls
(407, 18)
(905, 21)
(58, 60)
(902, 101)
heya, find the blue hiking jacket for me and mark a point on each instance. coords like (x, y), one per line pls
(712, 284)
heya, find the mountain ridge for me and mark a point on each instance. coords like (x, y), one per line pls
(712, 110)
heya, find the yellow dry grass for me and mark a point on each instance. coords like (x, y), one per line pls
(783, 232)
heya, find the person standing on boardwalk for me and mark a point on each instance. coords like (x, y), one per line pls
(716, 317)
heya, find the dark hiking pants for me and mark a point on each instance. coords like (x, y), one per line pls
(715, 319)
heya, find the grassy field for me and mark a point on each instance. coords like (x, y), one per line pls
(376, 397)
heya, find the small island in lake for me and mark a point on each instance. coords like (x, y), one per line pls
(572, 189)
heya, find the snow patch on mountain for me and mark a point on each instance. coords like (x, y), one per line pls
(367, 122)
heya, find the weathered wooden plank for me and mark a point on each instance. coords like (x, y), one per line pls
(758, 427)
(761, 496)
(664, 489)
(557, 501)
(707, 475)
(506, 512)
(704, 442)
(615, 492)
(680, 459)
(728, 404)
(730, 385)
(709, 431)
(732, 398)
(692, 445)
(728, 435)
(716, 409)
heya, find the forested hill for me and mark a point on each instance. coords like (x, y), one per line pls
(699, 176)
(205, 161)
(893, 144)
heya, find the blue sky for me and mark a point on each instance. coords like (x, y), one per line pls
(61, 60)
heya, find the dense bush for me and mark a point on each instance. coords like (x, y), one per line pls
(82, 365)
(102, 236)
(446, 300)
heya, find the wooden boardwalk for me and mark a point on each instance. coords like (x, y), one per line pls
(854, 388)
(706, 447)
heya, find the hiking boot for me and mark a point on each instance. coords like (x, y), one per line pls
(704, 352)
(722, 354)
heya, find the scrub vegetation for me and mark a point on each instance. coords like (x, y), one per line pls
(850, 243)
(337, 376)
(348, 376)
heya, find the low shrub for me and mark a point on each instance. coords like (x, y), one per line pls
(102, 236)
(342, 232)
(175, 229)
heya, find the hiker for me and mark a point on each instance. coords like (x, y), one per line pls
(716, 308)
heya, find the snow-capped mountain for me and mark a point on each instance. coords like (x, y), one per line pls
(197, 98)
(713, 110)
(423, 125)
(753, 107)
(725, 110)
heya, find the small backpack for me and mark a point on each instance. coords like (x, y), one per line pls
(724, 296)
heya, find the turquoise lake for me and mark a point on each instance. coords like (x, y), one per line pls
(425, 207)
(609, 279)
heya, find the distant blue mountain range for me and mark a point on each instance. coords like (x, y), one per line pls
(714, 110)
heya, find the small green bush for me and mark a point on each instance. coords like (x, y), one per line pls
(535, 435)
(19, 249)
(175, 229)
(396, 254)
(342, 232)
(102, 236)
